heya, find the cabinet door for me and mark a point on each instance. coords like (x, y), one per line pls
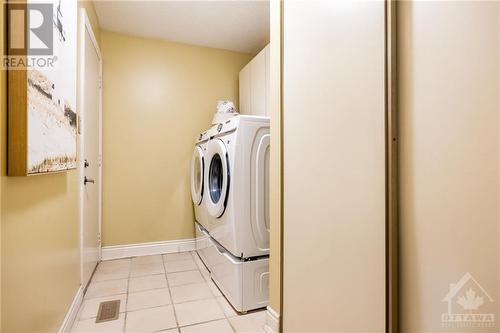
(267, 50)
(245, 95)
(258, 84)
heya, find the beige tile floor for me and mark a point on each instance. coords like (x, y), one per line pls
(167, 293)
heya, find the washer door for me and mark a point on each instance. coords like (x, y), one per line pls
(217, 177)
(197, 174)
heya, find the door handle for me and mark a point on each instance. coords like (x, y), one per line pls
(88, 180)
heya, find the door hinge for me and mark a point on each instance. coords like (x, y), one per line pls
(100, 82)
(99, 238)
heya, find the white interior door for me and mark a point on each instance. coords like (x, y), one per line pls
(90, 148)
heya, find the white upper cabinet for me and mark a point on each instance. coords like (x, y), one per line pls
(245, 94)
(254, 85)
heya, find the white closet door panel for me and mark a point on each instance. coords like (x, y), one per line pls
(334, 166)
(449, 83)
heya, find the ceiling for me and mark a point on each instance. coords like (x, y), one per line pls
(235, 25)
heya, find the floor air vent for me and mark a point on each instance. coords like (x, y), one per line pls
(109, 310)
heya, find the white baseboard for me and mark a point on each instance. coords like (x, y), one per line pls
(145, 249)
(68, 321)
(272, 321)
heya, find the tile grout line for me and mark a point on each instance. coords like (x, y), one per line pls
(146, 290)
(209, 282)
(114, 279)
(206, 322)
(105, 296)
(86, 299)
(193, 254)
(180, 285)
(224, 312)
(170, 293)
(126, 298)
(148, 273)
(163, 305)
(228, 318)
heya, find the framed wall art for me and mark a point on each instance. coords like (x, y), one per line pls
(42, 116)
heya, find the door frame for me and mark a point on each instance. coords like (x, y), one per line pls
(86, 27)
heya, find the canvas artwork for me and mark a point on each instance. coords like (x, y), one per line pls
(42, 87)
(52, 119)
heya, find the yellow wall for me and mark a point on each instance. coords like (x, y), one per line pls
(158, 96)
(449, 156)
(276, 167)
(39, 245)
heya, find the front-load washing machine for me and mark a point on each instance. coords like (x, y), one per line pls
(237, 201)
(199, 195)
(197, 180)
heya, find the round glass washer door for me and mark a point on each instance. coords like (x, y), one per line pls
(217, 177)
(197, 174)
